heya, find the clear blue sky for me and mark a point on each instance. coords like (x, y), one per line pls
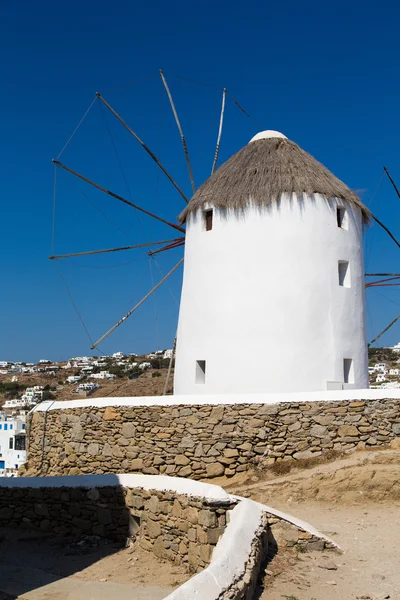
(325, 74)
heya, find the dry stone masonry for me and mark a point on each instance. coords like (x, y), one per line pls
(173, 526)
(202, 441)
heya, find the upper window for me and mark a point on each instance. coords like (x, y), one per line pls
(208, 218)
(341, 217)
(5, 426)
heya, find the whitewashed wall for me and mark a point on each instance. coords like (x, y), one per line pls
(261, 301)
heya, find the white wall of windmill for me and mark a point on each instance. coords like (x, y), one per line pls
(268, 303)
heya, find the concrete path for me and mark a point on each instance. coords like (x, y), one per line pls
(27, 583)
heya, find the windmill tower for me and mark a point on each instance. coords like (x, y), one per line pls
(273, 291)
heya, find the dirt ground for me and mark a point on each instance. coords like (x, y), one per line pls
(47, 560)
(145, 385)
(355, 501)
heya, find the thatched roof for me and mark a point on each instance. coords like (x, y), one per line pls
(262, 171)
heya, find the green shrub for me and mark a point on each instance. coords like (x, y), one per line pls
(156, 374)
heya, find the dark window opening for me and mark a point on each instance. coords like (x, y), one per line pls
(348, 370)
(208, 215)
(200, 371)
(344, 273)
(20, 442)
(11, 442)
(341, 217)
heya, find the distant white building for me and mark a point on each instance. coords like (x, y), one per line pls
(118, 355)
(44, 361)
(382, 367)
(168, 353)
(12, 445)
(17, 403)
(74, 378)
(396, 348)
(394, 372)
(380, 378)
(144, 365)
(102, 375)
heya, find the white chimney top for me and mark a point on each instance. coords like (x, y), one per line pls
(266, 135)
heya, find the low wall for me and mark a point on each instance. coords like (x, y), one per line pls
(181, 523)
(223, 538)
(205, 437)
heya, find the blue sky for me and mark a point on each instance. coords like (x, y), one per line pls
(327, 75)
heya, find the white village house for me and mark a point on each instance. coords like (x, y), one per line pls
(274, 270)
(12, 444)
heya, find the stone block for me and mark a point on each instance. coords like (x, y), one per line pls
(348, 431)
(110, 414)
(231, 452)
(318, 431)
(191, 514)
(205, 552)
(137, 464)
(213, 535)
(153, 528)
(185, 471)
(207, 518)
(93, 494)
(93, 449)
(214, 469)
(182, 460)
(128, 430)
(176, 509)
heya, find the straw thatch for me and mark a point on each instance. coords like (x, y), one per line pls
(262, 171)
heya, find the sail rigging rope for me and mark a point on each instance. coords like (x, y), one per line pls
(155, 304)
(371, 237)
(77, 127)
(73, 304)
(134, 82)
(99, 210)
(215, 87)
(53, 224)
(162, 275)
(120, 166)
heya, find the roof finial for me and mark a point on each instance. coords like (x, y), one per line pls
(268, 134)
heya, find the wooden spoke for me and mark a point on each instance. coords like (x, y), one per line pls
(113, 249)
(128, 314)
(116, 196)
(149, 152)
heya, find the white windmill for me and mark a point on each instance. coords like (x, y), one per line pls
(273, 289)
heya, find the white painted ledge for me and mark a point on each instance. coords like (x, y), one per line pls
(218, 399)
(178, 485)
(229, 558)
(294, 521)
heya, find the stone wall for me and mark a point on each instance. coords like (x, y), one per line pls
(177, 527)
(201, 441)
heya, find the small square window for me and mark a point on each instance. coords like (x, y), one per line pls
(348, 370)
(208, 218)
(341, 217)
(5, 426)
(200, 371)
(344, 273)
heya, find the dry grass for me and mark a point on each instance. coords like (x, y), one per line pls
(283, 467)
(264, 170)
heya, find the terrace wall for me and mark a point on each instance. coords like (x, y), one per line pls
(210, 438)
